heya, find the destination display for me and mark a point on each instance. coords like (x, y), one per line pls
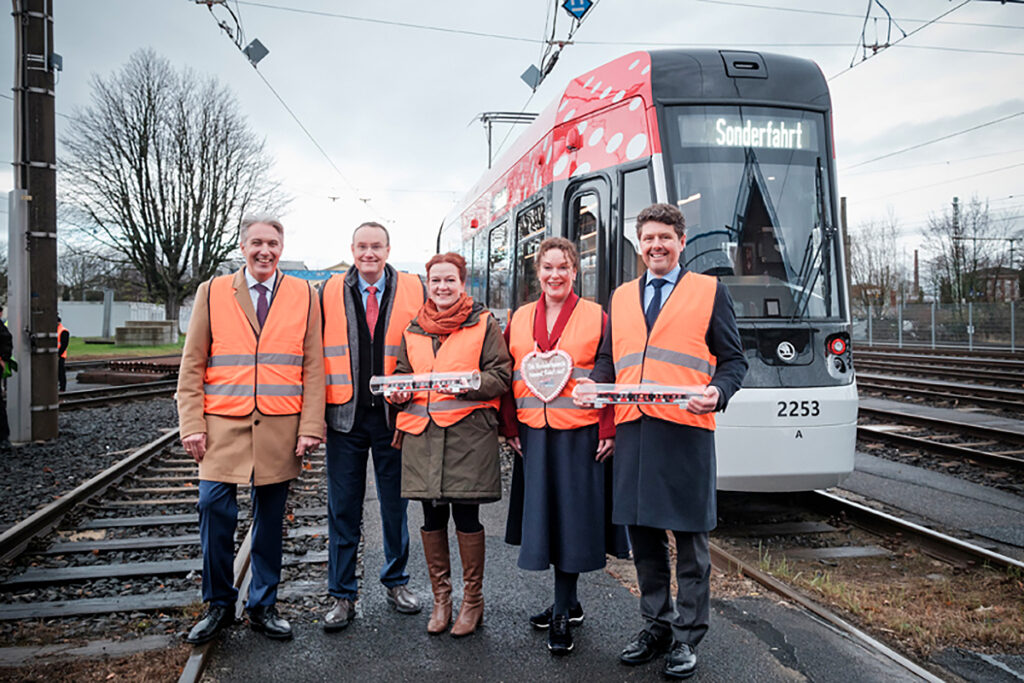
(759, 132)
(428, 381)
(600, 395)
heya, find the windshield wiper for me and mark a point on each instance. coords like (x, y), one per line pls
(823, 252)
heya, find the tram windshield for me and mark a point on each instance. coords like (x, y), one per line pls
(753, 184)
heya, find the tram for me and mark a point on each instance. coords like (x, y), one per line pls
(742, 143)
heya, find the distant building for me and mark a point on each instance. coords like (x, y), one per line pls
(998, 283)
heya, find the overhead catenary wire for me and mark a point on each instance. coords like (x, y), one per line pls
(945, 182)
(736, 3)
(934, 140)
(900, 40)
(237, 40)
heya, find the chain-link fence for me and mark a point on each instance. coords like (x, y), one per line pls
(970, 325)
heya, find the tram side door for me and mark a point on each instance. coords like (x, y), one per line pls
(587, 219)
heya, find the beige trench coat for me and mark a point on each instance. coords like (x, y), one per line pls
(258, 446)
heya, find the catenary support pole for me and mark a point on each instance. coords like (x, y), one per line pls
(35, 183)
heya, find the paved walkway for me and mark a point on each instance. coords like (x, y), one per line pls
(751, 638)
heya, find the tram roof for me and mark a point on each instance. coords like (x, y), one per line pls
(655, 76)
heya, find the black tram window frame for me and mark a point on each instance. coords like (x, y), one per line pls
(618, 253)
(602, 186)
(543, 201)
(507, 222)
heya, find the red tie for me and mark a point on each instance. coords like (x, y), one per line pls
(372, 310)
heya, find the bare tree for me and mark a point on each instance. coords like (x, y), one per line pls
(966, 242)
(162, 165)
(875, 267)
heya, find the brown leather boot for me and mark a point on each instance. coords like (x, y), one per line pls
(435, 548)
(471, 612)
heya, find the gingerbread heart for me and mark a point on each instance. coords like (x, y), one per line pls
(546, 374)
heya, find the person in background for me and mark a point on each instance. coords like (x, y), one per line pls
(250, 406)
(450, 439)
(561, 476)
(6, 350)
(63, 339)
(365, 312)
(677, 328)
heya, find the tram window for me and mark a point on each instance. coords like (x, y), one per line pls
(585, 226)
(636, 196)
(498, 265)
(530, 231)
(478, 271)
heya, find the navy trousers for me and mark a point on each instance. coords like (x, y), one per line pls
(346, 487)
(218, 515)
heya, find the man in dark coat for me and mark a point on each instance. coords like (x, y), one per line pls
(665, 471)
(375, 313)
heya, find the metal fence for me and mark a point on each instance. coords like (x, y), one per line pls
(970, 325)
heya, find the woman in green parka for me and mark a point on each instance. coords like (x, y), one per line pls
(450, 439)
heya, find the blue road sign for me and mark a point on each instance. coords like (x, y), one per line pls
(577, 8)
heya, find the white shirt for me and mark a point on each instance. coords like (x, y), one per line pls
(254, 294)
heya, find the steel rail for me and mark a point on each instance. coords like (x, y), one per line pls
(981, 395)
(935, 543)
(14, 540)
(85, 398)
(730, 563)
(982, 431)
(947, 350)
(1016, 363)
(199, 659)
(932, 370)
(874, 433)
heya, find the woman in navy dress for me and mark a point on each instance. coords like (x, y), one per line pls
(561, 487)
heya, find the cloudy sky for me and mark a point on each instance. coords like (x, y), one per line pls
(390, 91)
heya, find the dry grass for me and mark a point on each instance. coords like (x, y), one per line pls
(142, 667)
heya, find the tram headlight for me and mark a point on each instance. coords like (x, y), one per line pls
(838, 358)
(837, 346)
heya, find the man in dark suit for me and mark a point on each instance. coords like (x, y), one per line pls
(677, 328)
(365, 313)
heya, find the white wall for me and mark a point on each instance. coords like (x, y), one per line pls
(85, 318)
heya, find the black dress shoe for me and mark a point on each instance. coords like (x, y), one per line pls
(266, 620)
(340, 615)
(681, 661)
(543, 620)
(216, 618)
(645, 647)
(560, 636)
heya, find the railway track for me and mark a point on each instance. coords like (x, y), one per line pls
(986, 445)
(126, 543)
(955, 351)
(995, 370)
(90, 398)
(936, 390)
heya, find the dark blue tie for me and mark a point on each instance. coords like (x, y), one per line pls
(654, 307)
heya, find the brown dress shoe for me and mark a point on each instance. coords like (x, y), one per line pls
(340, 615)
(403, 600)
(435, 548)
(471, 612)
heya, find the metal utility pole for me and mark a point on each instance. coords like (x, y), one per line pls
(489, 118)
(32, 403)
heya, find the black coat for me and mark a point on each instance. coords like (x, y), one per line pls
(665, 473)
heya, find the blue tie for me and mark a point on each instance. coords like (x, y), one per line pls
(654, 307)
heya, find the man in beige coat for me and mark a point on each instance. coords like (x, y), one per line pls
(250, 405)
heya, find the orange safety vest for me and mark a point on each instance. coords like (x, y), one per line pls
(60, 330)
(580, 339)
(460, 352)
(249, 371)
(337, 358)
(674, 353)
